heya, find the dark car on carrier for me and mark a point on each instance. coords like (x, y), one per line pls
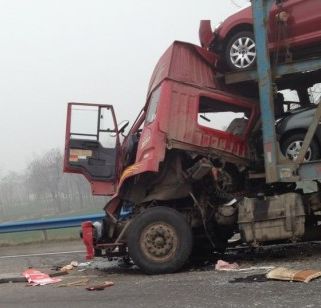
(292, 128)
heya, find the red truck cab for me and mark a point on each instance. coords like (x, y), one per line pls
(180, 101)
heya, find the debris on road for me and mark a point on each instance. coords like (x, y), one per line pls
(57, 274)
(36, 278)
(255, 268)
(225, 266)
(69, 267)
(16, 277)
(75, 283)
(84, 264)
(100, 287)
(286, 274)
(250, 279)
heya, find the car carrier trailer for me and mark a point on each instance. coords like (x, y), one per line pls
(182, 187)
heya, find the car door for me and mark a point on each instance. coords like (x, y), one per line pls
(92, 145)
(273, 30)
(304, 18)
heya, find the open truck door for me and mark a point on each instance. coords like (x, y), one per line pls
(92, 145)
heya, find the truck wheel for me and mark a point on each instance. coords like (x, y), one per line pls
(159, 240)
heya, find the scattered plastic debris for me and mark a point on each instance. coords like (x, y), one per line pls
(69, 267)
(225, 266)
(100, 287)
(84, 264)
(36, 278)
(255, 268)
(287, 274)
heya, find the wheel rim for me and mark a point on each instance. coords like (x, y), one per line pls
(243, 52)
(159, 242)
(293, 150)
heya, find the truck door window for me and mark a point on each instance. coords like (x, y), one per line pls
(291, 100)
(222, 116)
(93, 123)
(315, 93)
(152, 107)
(84, 122)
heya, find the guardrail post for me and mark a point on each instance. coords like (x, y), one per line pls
(45, 235)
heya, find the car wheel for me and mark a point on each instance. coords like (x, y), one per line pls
(240, 51)
(159, 240)
(292, 145)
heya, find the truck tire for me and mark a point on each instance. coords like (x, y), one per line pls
(159, 240)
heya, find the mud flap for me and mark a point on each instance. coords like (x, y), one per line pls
(88, 238)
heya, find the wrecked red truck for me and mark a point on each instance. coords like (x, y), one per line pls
(189, 174)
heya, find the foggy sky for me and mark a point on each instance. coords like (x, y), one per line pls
(53, 52)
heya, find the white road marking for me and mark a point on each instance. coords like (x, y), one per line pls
(43, 254)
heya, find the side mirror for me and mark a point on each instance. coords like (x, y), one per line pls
(123, 126)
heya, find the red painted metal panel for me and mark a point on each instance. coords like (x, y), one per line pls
(103, 188)
(185, 63)
(99, 188)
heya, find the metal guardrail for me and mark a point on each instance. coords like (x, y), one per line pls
(54, 223)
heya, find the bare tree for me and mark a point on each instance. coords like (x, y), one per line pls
(42, 189)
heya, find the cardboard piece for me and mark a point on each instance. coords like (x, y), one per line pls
(286, 274)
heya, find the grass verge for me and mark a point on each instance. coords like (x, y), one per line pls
(18, 238)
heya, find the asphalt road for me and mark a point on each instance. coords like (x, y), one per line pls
(200, 286)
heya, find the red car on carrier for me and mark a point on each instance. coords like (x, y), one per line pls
(294, 25)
